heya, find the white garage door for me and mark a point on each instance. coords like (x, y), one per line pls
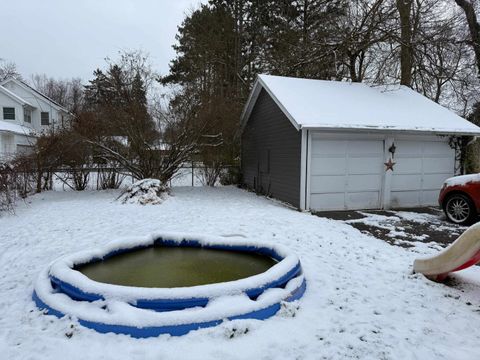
(346, 174)
(420, 170)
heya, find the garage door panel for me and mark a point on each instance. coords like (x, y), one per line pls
(429, 163)
(346, 174)
(362, 200)
(434, 181)
(438, 148)
(356, 183)
(405, 198)
(406, 182)
(328, 166)
(369, 165)
(429, 197)
(326, 184)
(356, 148)
(406, 147)
(407, 166)
(332, 201)
(329, 147)
(435, 166)
(349, 173)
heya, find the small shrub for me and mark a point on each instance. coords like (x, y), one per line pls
(210, 173)
(230, 176)
(109, 178)
(143, 192)
(8, 192)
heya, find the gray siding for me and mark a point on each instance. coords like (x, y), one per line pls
(271, 148)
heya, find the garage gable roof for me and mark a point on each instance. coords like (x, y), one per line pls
(322, 104)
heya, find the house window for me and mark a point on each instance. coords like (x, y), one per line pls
(27, 115)
(9, 113)
(45, 118)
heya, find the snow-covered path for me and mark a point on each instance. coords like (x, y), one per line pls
(361, 302)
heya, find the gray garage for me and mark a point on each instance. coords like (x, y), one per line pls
(327, 145)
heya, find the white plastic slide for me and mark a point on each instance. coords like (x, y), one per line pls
(463, 253)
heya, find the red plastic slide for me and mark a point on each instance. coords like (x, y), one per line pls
(463, 253)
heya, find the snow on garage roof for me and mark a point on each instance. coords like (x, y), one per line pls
(322, 104)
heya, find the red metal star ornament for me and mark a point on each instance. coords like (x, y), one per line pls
(389, 165)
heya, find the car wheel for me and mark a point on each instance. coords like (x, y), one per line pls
(460, 209)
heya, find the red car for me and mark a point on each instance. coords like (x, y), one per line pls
(460, 198)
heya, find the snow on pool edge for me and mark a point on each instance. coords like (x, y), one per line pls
(226, 301)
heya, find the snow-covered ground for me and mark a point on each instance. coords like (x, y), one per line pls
(362, 300)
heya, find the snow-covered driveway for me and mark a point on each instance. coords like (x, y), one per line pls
(361, 302)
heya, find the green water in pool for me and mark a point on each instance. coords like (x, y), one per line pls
(176, 267)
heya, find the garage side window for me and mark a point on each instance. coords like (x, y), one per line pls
(45, 118)
(9, 113)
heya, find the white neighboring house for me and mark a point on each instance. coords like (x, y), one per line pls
(25, 113)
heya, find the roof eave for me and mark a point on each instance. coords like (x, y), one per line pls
(394, 130)
(31, 89)
(252, 99)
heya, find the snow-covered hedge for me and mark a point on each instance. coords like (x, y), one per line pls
(143, 192)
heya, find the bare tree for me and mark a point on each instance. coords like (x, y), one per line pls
(8, 70)
(404, 8)
(473, 26)
(366, 25)
(144, 140)
(442, 60)
(68, 93)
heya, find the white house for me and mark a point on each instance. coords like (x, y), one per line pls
(328, 145)
(24, 114)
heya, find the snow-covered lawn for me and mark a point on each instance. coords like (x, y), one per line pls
(361, 302)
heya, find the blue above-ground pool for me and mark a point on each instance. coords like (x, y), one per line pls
(62, 289)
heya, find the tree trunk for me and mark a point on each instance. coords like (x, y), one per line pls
(353, 70)
(473, 27)
(404, 8)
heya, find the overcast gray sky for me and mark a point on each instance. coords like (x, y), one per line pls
(71, 38)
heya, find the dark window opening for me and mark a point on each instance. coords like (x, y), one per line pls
(9, 113)
(45, 118)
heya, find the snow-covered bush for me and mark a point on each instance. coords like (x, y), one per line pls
(146, 191)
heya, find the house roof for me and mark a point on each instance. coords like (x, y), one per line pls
(27, 87)
(322, 104)
(14, 96)
(16, 128)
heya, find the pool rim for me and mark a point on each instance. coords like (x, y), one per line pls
(174, 329)
(78, 286)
